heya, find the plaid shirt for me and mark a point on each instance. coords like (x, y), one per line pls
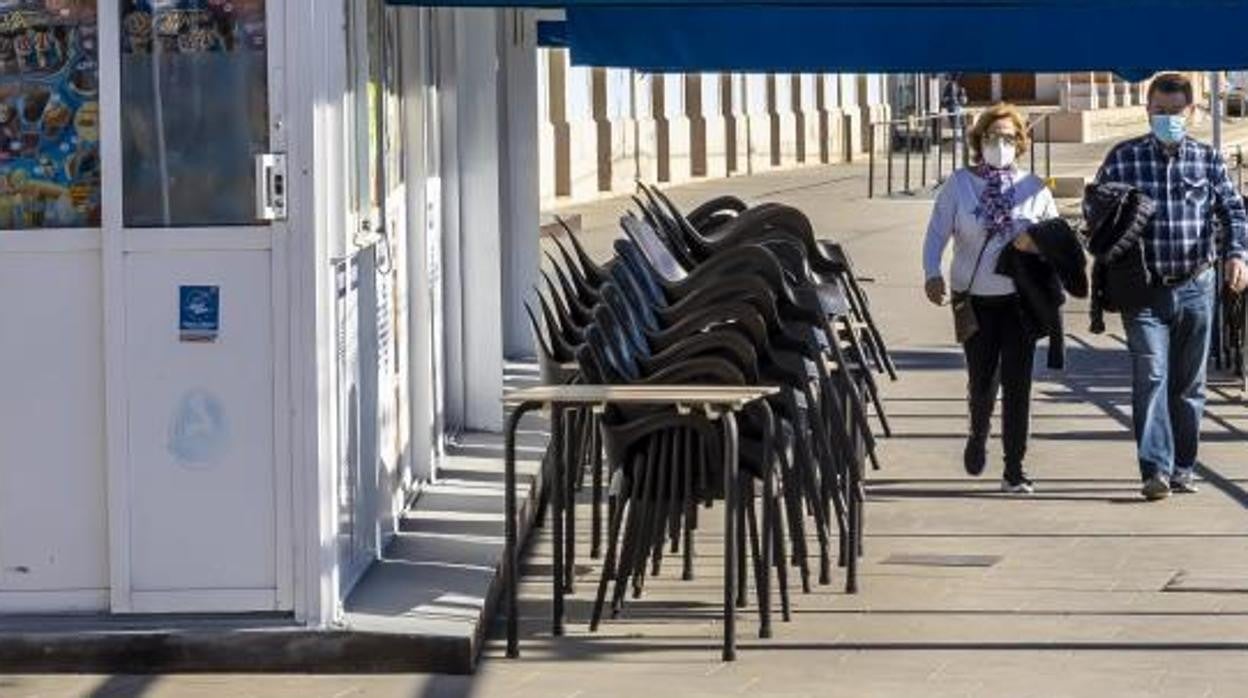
(1190, 188)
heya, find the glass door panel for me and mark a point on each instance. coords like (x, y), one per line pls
(194, 83)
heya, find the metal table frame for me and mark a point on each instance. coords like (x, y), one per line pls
(717, 401)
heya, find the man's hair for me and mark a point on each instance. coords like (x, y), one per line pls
(1171, 83)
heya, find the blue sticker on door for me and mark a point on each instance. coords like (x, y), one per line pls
(199, 313)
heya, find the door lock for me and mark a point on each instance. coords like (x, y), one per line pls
(271, 186)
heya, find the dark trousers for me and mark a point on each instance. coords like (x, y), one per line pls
(1000, 356)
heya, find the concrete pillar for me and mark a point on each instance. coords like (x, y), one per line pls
(672, 128)
(1047, 88)
(783, 121)
(707, 126)
(806, 109)
(614, 127)
(1106, 94)
(547, 145)
(476, 149)
(1080, 92)
(646, 129)
(872, 106)
(519, 188)
(998, 89)
(732, 104)
(831, 118)
(757, 123)
(852, 120)
(571, 118)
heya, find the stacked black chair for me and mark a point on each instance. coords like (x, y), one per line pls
(728, 295)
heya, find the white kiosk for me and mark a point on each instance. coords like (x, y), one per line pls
(233, 278)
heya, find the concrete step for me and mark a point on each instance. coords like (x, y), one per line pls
(424, 606)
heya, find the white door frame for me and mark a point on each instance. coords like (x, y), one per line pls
(116, 242)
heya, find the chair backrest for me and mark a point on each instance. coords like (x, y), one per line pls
(655, 250)
(615, 366)
(543, 348)
(552, 368)
(630, 290)
(668, 224)
(562, 338)
(577, 306)
(613, 300)
(584, 287)
(595, 273)
(690, 235)
(646, 278)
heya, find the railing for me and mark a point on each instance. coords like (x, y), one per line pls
(1231, 319)
(921, 133)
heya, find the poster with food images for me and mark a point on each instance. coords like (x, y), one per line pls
(49, 114)
(192, 26)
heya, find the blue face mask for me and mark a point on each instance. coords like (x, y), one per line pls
(1169, 128)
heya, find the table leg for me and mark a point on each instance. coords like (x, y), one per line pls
(730, 533)
(596, 455)
(510, 554)
(558, 486)
(572, 475)
(852, 504)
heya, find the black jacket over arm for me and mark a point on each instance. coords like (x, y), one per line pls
(1117, 215)
(1044, 279)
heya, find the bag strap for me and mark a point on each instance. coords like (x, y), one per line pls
(978, 260)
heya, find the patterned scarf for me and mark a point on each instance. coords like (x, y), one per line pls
(996, 203)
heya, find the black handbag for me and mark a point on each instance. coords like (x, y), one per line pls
(965, 323)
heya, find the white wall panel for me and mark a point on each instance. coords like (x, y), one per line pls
(53, 510)
(200, 425)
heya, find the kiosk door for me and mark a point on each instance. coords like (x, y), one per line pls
(205, 303)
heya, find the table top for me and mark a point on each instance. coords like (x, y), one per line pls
(732, 396)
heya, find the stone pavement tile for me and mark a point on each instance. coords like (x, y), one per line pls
(48, 686)
(1072, 609)
(234, 686)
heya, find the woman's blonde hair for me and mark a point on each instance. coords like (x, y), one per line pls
(991, 115)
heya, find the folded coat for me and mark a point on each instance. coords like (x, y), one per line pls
(1117, 216)
(1044, 279)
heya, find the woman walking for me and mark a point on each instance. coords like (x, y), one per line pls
(983, 208)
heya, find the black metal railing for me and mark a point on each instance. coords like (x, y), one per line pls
(1231, 319)
(921, 140)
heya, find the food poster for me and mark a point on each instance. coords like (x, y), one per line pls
(192, 26)
(49, 114)
(194, 85)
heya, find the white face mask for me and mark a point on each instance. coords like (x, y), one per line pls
(999, 155)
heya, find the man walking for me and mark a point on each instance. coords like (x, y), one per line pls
(952, 100)
(1168, 336)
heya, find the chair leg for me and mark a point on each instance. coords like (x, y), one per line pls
(760, 554)
(625, 564)
(742, 575)
(610, 563)
(595, 550)
(782, 566)
(689, 510)
(572, 464)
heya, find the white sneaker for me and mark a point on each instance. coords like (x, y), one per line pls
(1183, 482)
(1022, 486)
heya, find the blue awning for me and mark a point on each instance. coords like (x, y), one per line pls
(1131, 37)
(1133, 40)
(552, 34)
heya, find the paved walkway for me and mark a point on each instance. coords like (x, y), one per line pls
(1080, 590)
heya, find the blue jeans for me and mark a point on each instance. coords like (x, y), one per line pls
(1169, 344)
